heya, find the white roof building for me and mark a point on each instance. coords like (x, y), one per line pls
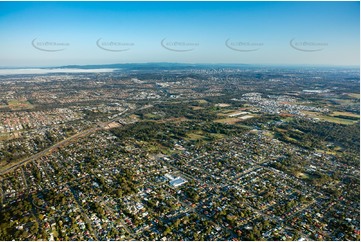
(177, 181)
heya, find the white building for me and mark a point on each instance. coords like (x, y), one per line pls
(177, 181)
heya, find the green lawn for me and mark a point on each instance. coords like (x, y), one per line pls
(19, 104)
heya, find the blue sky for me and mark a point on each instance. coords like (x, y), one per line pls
(325, 33)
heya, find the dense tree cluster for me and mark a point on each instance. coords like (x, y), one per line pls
(311, 134)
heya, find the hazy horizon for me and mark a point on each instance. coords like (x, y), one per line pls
(103, 66)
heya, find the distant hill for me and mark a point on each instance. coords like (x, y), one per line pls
(153, 66)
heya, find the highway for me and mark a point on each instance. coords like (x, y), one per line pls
(64, 142)
(48, 150)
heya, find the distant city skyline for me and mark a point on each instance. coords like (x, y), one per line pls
(82, 33)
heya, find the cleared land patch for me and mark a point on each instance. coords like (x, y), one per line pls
(19, 104)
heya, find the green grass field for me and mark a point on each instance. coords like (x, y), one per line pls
(195, 136)
(354, 95)
(19, 104)
(345, 114)
(331, 118)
